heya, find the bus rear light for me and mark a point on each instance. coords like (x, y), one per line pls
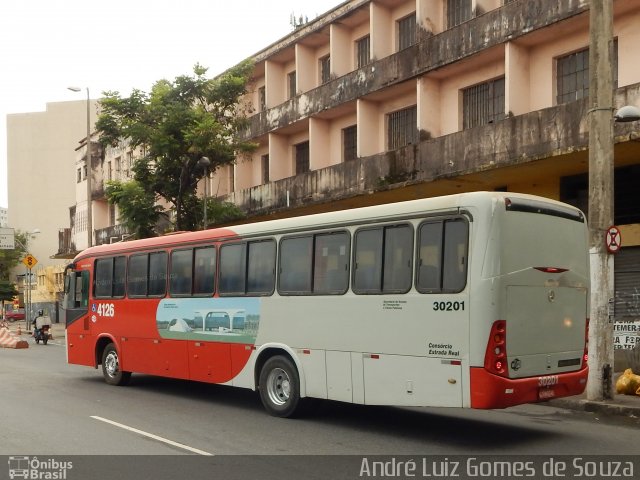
(495, 359)
(552, 269)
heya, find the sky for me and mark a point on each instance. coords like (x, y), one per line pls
(117, 45)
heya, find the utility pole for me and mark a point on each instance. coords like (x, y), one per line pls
(600, 116)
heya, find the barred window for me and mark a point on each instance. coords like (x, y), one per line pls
(572, 74)
(458, 11)
(325, 69)
(363, 51)
(291, 79)
(302, 157)
(262, 99)
(264, 165)
(402, 128)
(483, 103)
(349, 143)
(406, 31)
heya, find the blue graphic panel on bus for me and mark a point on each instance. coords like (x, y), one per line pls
(232, 320)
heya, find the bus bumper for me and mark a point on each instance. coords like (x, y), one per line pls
(491, 391)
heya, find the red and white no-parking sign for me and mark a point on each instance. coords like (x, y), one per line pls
(613, 239)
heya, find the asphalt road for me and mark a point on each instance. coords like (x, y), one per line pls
(51, 408)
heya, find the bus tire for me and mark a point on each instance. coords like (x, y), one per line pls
(279, 386)
(111, 367)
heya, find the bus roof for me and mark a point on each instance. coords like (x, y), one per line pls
(382, 213)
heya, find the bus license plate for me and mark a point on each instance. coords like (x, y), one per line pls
(545, 393)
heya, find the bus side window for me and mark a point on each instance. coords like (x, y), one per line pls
(429, 255)
(367, 271)
(442, 256)
(261, 267)
(181, 272)
(82, 290)
(233, 269)
(331, 264)
(296, 255)
(119, 276)
(456, 236)
(103, 278)
(137, 275)
(204, 271)
(383, 260)
(157, 274)
(398, 259)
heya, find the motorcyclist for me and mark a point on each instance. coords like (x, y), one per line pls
(35, 322)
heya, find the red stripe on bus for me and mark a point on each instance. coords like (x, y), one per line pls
(492, 391)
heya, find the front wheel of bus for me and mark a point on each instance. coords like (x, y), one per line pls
(111, 367)
(280, 387)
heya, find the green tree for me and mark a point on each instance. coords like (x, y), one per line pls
(11, 258)
(8, 291)
(220, 212)
(137, 207)
(178, 123)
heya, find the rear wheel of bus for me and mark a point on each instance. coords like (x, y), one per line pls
(111, 367)
(279, 386)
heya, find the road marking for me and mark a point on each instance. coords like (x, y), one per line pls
(155, 437)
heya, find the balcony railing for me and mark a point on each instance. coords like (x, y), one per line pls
(66, 245)
(113, 234)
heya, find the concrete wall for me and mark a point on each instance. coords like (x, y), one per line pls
(41, 166)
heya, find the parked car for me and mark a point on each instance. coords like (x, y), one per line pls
(14, 315)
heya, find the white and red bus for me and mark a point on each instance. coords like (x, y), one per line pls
(475, 300)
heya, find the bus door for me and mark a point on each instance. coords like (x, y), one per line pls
(75, 308)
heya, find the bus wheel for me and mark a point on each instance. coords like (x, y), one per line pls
(280, 387)
(111, 367)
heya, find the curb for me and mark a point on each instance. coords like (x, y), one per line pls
(607, 408)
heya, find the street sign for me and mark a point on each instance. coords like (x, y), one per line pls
(613, 239)
(7, 239)
(29, 261)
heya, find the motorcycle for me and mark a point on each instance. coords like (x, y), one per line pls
(41, 333)
(41, 326)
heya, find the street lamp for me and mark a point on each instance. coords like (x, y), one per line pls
(88, 163)
(628, 113)
(204, 162)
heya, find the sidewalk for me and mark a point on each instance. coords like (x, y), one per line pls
(623, 405)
